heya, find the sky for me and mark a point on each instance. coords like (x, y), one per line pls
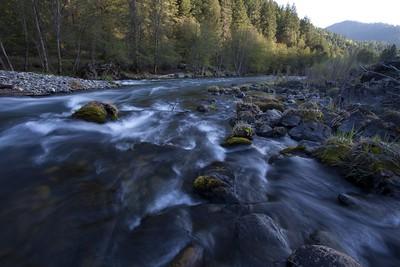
(324, 13)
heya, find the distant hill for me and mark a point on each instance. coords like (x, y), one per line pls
(367, 31)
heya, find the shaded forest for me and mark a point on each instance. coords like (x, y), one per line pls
(205, 37)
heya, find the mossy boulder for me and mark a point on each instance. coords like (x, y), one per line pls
(270, 104)
(242, 129)
(97, 112)
(375, 165)
(216, 183)
(206, 184)
(236, 141)
(371, 164)
(334, 151)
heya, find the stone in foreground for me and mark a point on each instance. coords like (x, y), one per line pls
(320, 256)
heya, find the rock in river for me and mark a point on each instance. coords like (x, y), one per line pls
(97, 112)
(261, 240)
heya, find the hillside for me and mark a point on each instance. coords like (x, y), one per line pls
(204, 38)
(367, 31)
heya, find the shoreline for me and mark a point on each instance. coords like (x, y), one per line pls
(30, 84)
(23, 84)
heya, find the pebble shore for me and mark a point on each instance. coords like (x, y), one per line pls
(33, 84)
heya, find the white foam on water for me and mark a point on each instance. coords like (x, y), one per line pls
(131, 82)
(171, 199)
(134, 223)
(214, 134)
(76, 101)
(130, 108)
(158, 88)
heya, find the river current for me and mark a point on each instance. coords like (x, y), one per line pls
(120, 194)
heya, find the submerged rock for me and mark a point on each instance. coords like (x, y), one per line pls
(290, 118)
(261, 241)
(96, 112)
(320, 256)
(236, 141)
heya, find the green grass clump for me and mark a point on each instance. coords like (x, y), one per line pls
(243, 129)
(335, 151)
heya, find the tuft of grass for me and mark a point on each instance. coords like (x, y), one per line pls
(243, 129)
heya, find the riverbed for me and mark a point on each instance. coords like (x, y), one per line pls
(120, 194)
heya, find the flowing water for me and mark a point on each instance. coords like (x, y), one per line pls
(80, 194)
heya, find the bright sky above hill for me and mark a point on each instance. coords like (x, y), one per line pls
(324, 13)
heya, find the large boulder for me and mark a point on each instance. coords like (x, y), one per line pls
(356, 120)
(271, 117)
(311, 131)
(96, 112)
(290, 118)
(247, 112)
(320, 256)
(369, 163)
(262, 242)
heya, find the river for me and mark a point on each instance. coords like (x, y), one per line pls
(120, 194)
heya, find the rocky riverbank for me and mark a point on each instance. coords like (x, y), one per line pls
(32, 84)
(354, 128)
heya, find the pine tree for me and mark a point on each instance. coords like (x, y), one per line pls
(268, 23)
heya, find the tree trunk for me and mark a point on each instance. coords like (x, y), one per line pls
(6, 56)
(40, 35)
(26, 35)
(156, 32)
(3, 66)
(134, 33)
(58, 34)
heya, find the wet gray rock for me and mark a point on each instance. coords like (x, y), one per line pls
(261, 241)
(357, 120)
(264, 130)
(320, 256)
(203, 108)
(290, 119)
(271, 117)
(32, 84)
(309, 146)
(311, 131)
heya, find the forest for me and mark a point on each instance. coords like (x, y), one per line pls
(205, 37)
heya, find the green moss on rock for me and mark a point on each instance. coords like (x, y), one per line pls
(206, 183)
(293, 150)
(236, 141)
(242, 129)
(96, 112)
(334, 152)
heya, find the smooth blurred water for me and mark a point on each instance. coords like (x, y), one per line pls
(80, 194)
